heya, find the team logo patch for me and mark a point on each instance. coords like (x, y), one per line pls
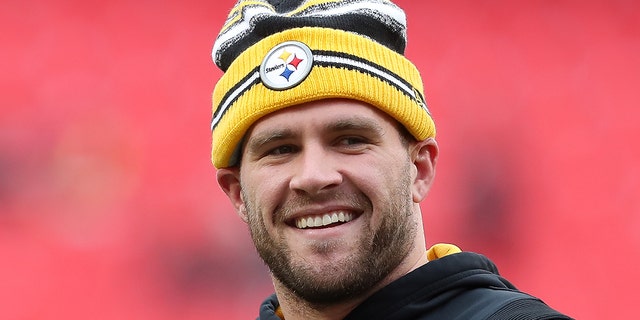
(286, 65)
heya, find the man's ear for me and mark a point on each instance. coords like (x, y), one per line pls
(424, 155)
(229, 181)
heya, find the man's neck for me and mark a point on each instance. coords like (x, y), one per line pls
(295, 308)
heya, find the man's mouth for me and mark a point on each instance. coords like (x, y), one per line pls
(324, 220)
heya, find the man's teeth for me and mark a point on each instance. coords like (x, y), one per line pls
(323, 220)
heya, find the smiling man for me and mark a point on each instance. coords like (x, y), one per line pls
(324, 144)
(309, 187)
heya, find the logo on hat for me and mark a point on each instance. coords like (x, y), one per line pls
(286, 65)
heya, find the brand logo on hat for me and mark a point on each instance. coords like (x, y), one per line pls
(286, 65)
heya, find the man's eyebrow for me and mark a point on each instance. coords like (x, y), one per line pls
(263, 138)
(356, 123)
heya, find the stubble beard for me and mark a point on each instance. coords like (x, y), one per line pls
(380, 252)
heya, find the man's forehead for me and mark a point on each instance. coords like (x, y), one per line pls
(332, 114)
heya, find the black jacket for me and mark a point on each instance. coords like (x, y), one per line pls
(458, 286)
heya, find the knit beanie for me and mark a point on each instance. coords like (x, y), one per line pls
(279, 53)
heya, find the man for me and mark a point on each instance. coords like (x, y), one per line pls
(325, 147)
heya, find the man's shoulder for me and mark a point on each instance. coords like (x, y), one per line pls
(495, 304)
(458, 286)
(526, 309)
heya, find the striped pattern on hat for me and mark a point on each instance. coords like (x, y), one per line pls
(277, 54)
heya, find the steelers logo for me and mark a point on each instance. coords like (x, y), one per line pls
(286, 65)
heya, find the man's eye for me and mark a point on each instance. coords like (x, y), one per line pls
(280, 150)
(351, 141)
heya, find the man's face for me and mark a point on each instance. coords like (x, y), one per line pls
(326, 188)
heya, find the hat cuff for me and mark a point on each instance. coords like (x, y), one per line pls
(346, 65)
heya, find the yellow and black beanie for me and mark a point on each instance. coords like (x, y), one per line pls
(280, 53)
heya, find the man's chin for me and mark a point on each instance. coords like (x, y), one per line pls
(321, 282)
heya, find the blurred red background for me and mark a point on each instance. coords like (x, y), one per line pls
(108, 203)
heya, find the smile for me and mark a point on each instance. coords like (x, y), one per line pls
(323, 220)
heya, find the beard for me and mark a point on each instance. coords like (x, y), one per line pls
(378, 252)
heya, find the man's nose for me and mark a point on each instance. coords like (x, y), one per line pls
(315, 171)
